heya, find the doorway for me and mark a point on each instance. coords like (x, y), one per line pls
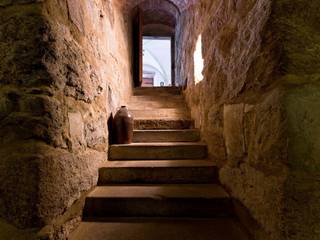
(157, 61)
(153, 46)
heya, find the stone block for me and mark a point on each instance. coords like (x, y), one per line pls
(96, 132)
(76, 127)
(303, 109)
(266, 134)
(63, 176)
(18, 182)
(76, 14)
(233, 132)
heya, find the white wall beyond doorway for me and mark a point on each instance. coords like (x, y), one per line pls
(157, 61)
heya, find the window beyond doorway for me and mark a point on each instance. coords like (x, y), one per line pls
(157, 62)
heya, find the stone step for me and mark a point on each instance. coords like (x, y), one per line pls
(172, 135)
(161, 113)
(181, 200)
(160, 229)
(152, 102)
(152, 124)
(156, 91)
(155, 151)
(172, 171)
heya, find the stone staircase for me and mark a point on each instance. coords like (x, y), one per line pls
(162, 186)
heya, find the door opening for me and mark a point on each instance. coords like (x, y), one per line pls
(157, 61)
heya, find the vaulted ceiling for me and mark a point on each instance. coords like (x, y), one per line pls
(159, 16)
(180, 4)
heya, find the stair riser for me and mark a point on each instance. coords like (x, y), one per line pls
(156, 91)
(164, 175)
(142, 124)
(96, 208)
(151, 102)
(157, 98)
(160, 114)
(166, 136)
(137, 105)
(157, 152)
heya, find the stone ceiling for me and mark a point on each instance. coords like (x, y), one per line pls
(181, 4)
(157, 14)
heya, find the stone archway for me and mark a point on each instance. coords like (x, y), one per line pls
(152, 18)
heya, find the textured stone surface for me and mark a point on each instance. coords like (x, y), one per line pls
(162, 171)
(181, 4)
(239, 115)
(158, 151)
(167, 200)
(297, 24)
(257, 105)
(233, 132)
(64, 69)
(302, 210)
(159, 229)
(9, 232)
(183, 135)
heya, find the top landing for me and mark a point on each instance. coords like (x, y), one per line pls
(156, 91)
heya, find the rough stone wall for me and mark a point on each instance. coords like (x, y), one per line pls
(24, 120)
(298, 28)
(258, 106)
(65, 67)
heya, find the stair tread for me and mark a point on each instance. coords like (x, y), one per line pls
(160, 144)
(158, 98)
(166, 135)
(158, 164)
(162, 123)
(158, 172)
(160, 191)
(159, 229)
(166, 130)
(156, 102)
(156, 91)
(171, 109)
(158, 151)
(170, 118)
(161, 114)
(164, 119)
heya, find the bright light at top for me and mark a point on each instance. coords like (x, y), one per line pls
(198, 61)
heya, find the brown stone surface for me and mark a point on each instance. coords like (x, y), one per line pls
(161, 171)
(181, 4)
(257, 105)
(158, 151)
(237, 112)
(152, 124)
(160, 200)
(182, 135)
(65, 67)
(10, 232)
(170, 229)
(233, 132)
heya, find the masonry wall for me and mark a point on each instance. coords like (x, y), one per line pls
(65, 67)
(298, 28)
(257, 107)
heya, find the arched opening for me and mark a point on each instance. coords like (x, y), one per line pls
(153, 31)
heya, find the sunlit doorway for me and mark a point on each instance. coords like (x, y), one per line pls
(157, 62)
